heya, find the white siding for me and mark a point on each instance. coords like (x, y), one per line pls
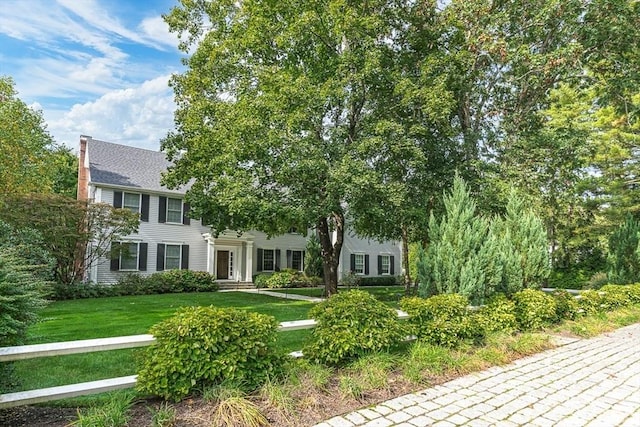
(373, 248)
(153, 232)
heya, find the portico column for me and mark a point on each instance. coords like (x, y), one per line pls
(249, 263)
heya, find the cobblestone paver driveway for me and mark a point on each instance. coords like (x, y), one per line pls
(591, 382)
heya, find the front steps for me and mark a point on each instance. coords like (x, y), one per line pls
(234, 286)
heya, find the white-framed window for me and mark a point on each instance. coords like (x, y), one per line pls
(172, 257)
(358, 264)
(297, 260)
(268, 260)
(129, 256)
(174, 211)
(131, 201)
(385, 264)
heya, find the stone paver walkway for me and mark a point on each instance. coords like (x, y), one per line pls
(592, 382)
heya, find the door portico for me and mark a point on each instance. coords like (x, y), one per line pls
(230, 257)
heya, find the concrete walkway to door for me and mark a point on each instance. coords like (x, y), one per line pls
(586, 382)
(284, 294)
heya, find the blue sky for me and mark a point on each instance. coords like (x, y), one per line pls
(93, 67)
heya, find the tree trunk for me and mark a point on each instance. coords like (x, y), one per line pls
(405, 260)
(331, 251)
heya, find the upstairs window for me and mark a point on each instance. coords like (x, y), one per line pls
(135, 202)
(131, 201)
(174, 211)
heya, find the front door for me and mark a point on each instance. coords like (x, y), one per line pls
(222, 265)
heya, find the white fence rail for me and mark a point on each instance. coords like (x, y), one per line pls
(103, 344)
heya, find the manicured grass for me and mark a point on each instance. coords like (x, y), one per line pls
(131, 315)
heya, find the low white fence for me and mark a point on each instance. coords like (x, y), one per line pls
(101, 344)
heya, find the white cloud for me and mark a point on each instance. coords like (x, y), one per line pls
(139, 116)
(155, 28)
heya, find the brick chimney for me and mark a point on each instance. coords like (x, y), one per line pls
(83, 170)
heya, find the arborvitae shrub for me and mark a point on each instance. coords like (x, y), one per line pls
(498, 314)
(442, 319)
(566, 305)
(534, 309)
(202, 346)
(351, 324)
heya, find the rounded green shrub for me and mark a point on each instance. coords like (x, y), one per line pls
(634, 293)
(534, 309)
(282, 279)
(614, 296)
(351, 324)
(498, 315)
(202, 346)
(566, 305)
(442, 319)
(591, 302)
(260, 281)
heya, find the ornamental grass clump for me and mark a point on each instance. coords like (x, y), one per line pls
(352, 324)
(201, 346)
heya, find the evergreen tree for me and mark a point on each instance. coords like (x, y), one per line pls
(624, 253)
(451, 263)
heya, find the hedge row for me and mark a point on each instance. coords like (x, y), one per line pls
(201, 346)
(287, 278)
(170, 281)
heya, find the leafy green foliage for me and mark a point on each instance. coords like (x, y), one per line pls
(114, 413)
(497, 315)
(313, 257)
(352, 324)
(23, 283)
(624, 252)
(162, 282)
(442, 319)
(458, 253)
(615, 296)
(591, 302)
(475, 256)
(286, 278)
(567, 306)
(76, 233)
(26, 164)
(534, 309)
(201, 346)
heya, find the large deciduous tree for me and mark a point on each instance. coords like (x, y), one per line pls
(274, 109)
(25, 157)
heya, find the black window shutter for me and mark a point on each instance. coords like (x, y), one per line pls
(277, 262)
(379, 265)
(353, 262)
(366, 264)
(392, 269)
(142, 256)
(162, 209)
(259, 260)
(117, 199)
(302, 261)
(184, 263)
(160, 257)
(289, 263)
(144, 209)
(185, 214)
(115, 256)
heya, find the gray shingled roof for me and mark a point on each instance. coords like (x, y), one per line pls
(124, 166)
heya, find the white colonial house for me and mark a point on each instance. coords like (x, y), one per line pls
(167, 238)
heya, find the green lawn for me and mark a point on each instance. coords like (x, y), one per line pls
(131, 315)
